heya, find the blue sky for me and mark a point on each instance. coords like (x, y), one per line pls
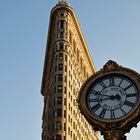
(111, 29)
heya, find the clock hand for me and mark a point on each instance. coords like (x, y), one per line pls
(104, 95)
(105, 98)
(101, 99)
(117, 96)
(112, 97)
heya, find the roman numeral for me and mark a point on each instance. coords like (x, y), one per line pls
(95, 108)
(129, 104)
(120, 82)
(123, 112)
(112, 114)
(94, 92)
(128, 87)
(103, 85)
(102, 114)
(131, 95)
(111, 80)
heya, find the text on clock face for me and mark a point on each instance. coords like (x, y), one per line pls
(112, 96)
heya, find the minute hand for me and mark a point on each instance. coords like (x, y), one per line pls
(112, 97)
(104, 95)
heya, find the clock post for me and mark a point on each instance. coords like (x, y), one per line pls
(113, 135)
(110, 100)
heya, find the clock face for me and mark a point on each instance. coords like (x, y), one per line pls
(112, 96)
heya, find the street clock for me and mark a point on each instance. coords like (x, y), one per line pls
(110, 100)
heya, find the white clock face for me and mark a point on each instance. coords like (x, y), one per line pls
(112, 96)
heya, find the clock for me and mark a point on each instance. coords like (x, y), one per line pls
(112, 96)
(110, 99)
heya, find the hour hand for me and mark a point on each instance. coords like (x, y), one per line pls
(117, 96)
(98, 99)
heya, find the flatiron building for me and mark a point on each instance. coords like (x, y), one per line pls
(67, 65)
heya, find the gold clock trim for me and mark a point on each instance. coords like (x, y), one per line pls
(125, 123)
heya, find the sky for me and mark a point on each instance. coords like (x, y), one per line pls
(111, 29)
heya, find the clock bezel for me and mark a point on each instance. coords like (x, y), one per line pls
(102, 77)
(123, 122)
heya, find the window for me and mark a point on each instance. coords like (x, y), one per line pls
(81, 62)
(54, 90)
(69, 106)
(84, 70)
(59, 89)
(65, 68)
(64, 126)
(64, 101)
(59, 100)
(65, 78)
(74, 102)
(65, 90)
(61, 35)
(61, 24)
(60, 67)
(74, 46)
(73, 125)
(66, 47)
(70, 37)
(58, 137)
(74, 113)
(62, 14)
(64, 113)
(65, 57)
(77, 54)
(69, 118)
(61, 46)
(69, 131)
(59, 112)
(60, 56)
(58, 125)
(60, 77)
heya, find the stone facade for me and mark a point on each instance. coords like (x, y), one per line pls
(67, 65)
